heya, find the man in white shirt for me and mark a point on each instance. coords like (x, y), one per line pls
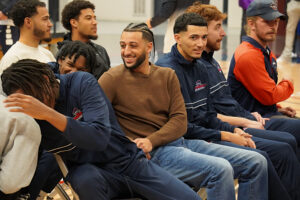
(20, 138)
(32, 18)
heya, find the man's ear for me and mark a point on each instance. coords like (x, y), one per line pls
(149, 47)
(27, 22)
(177, 37)
(74, 23)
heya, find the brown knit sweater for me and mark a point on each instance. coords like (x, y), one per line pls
(149, 106)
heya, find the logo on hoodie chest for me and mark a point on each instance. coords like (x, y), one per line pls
(77, 114)
(199, 86)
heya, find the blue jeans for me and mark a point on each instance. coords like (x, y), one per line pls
(203, 164)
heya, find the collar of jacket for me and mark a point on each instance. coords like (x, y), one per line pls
(256, 44)
(181, 60)
(207, 56)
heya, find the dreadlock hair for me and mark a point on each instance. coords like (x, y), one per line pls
(147, 34)
(23, 9)
(76, 49)
(33, 78)
(186, 19)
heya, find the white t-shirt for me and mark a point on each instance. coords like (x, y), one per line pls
(20, 138)
(21, 51)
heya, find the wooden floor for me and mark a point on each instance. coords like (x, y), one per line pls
(290, 70)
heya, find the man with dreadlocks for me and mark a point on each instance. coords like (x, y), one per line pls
(78, 123)
(151, 111)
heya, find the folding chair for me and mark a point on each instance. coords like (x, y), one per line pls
(64, 171)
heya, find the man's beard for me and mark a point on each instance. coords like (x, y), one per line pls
(138, 62)
(92, 37)
(40, 34)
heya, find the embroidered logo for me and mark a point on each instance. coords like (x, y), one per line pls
(77, 114)
(274, 5)
(199, 86)
(219, 69)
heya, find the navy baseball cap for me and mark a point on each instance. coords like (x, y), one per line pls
(266, 9)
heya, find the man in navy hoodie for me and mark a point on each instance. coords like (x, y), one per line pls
(203, 121)
(78, 123)
(223, 102)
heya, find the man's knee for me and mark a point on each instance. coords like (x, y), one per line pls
(86, 178)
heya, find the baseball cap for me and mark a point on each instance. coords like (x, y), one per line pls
(267, 9)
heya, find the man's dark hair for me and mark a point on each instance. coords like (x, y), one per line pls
(76, 49)
(72, 11)
(140, 27)
(147, 34)
(32, 77)
(23, 9)
(186, 19)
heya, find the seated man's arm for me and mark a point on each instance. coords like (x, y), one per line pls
(251, 72)
(240, 122)
(19, 156)
(177, 123)
(92, 133)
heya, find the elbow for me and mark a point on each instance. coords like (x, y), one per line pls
(268, 102)
(12, 186)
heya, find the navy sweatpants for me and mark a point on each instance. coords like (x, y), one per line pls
(283, 166)
(142, 178)
(289, 125)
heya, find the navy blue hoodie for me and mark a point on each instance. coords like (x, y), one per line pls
(93, 134)
(220, 92)
(202, 118)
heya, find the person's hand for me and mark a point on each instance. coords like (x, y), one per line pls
(242, 133)
(239, 140)
(3, 16)
(288, 111)
(148, 22)
(144, 144)
(247, 136)
(259, 118)
(251, 143)
(254, 124)
(27, 104)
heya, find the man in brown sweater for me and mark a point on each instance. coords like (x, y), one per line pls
(151, 111)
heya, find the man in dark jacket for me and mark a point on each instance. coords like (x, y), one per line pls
(224, 103)
(203, 121)
(78, 123)
(79, 18)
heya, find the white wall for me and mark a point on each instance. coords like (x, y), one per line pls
(124, 10)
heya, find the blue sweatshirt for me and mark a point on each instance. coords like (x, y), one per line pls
(93, 134)
(220, 92)
(202, 119)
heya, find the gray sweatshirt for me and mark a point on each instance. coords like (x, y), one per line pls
(20, 138)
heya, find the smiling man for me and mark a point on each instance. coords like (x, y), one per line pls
(203, 124)
(79, 18)
(32, 18)
(150, 109)
(282, 184)
(75, 56)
